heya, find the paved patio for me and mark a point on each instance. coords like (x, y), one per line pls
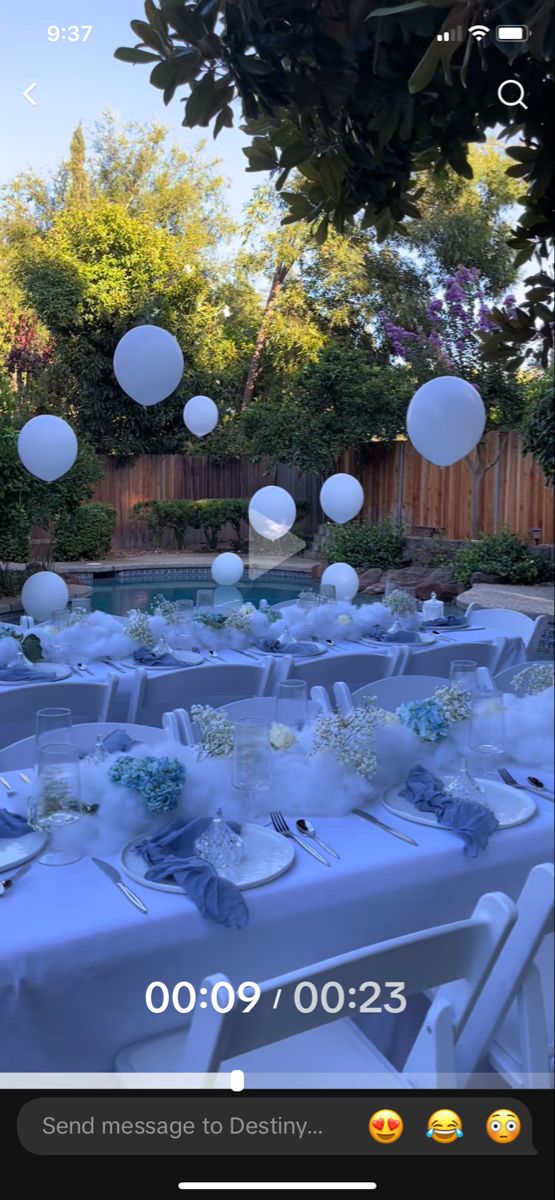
(533, 599)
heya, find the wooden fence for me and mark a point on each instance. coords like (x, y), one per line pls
(397, 483)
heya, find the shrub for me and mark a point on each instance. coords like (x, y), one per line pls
(214, 514)
(85, 533)
(365, 546)
(501, 554)
(159, 515)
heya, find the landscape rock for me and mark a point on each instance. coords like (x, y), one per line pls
(483, 577)
(370, 578)
(425, 580)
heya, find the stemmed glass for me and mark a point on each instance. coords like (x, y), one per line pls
(252, 759)
(486, 736)
(58, 801)
(292, 704)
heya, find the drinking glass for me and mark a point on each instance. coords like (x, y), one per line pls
(205, 598)
(464, 672)
(307, 600)
(252, 759)
(53, 725)
(292, 704)
(184, 610)
(58, 801)
(328, 594)
(59, 618)
(81, 607)
(486, 735)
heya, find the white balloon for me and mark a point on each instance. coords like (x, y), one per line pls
(445, 419)
(47, 447)
(227, 568)
(227, 597)
(272, 512)
(343, 578)
(42, 593)
(148, 364)
(341, 497)
(200, 415)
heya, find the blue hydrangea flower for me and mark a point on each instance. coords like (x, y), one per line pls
(425, 717)
(158, 780)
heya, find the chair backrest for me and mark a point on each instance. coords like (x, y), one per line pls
(19, 704)
(389, 693)
(355, 669)
(509, 973)
(321, 699)
(179, 727)
(261, 706)
(437, 660)
(462, 950)
(153, 695)
(23, 753)
(504, 679)
(280, 669)
(510, 624)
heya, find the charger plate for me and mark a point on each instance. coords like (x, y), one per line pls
(267, 856)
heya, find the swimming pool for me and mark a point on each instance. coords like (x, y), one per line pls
(120, 593)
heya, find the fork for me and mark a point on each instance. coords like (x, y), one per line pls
(7, 786)
(511, 782)
(280, 825)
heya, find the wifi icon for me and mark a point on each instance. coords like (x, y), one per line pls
(479, 32)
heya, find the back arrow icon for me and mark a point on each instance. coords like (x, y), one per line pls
(27, 94)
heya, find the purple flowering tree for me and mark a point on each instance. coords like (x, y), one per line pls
(450, 342)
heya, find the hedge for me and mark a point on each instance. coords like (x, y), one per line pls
(85, 533)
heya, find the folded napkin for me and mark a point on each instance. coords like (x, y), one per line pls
(116, 742)
(16, 673)
(171, 855)
(296, 649)
(12, 826)
(452, 621)
(148, 658)
(474, 822)
(399, 635)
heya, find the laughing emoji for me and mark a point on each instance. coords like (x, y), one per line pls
(385, 1126)
(444, 1126)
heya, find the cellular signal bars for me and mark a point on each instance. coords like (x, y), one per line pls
(451, 35)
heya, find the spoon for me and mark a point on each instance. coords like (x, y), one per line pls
(307, 829)
(535, 782)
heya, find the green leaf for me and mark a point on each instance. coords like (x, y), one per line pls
(207, 97)
(155, 18)
(299, 206)
(185, 22)
(332, 171)
(32, 648)
(293, 154)
(223, 120)
(321, 233)
(181, 69)
(148, 36)
(261, 155)
(128, 54)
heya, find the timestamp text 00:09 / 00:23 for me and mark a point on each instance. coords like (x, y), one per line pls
(306, 997)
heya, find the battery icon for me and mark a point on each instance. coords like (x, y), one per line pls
(512, 33)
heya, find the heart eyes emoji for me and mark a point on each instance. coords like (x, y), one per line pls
(385, 1126)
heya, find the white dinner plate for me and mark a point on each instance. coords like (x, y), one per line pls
(43, 672)
(510, 806)
(18, 850)
(267, 855)
(315, 648)
(185, 658)
(425, 639)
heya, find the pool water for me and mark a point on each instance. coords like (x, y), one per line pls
(117, 597)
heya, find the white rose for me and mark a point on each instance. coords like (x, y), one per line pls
(281, 736)
(247, 609)
(343, 619)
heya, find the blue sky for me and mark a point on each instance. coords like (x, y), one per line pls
(76, 81)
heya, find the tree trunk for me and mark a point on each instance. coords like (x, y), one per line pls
(280, 275)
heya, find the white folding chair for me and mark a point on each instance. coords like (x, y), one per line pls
(504, 679)
(280, 669)
(153, 695)
(23, 753)
(179, 727)
(319, 1039)
(320, 696)
(263, 707)
(19, 705)
(514, 976)
(509, 623)
(355, 669)
(437, 660)
(389, 693)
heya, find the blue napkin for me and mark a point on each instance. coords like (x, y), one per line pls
(474, 822)
(297, 649)
(399, 635)
(17, 673)
(116, 742)
(12, 826)
(147, 658)
(452, 621)
(171, 855)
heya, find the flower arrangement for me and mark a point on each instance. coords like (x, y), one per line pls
(29, 644)
(138, 628)
(534, 679)
(211, 620)
(240, 621)
(431, 719)
(281, 736)
(216, 731)
(158, 780)
(454, 701)
(162, 607)
(400, 603)
(350, 738)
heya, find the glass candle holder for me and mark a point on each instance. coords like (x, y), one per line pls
(292, 703)
(252, 760)
(486, 734)
(58, 801)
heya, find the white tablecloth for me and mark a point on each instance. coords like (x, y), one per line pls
(76, 958)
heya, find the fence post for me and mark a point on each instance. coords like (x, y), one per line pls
(400, 483)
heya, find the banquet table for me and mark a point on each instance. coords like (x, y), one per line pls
(76, 957)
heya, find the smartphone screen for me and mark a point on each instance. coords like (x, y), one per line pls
(276, 593)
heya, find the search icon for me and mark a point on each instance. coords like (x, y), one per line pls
(510, 83)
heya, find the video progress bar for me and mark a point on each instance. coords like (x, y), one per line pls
(277, 1187)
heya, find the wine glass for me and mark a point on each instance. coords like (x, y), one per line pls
(292, 704)
(307, 600)
(58, 801)
(204, 598)
(486, 735)
(464, 673)
(252, 759)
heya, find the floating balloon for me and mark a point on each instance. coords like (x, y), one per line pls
(200, 415)
(227, 569)
(148, 364)
(42, 593)
(341, 497)
(343, 578)
(272, 512)
(47, 447)
(445, 420)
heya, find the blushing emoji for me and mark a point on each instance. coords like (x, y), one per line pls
(444, 1126)
(385, 1126)
(503, 1126)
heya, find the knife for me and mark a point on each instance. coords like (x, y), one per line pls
(6, 884)
(117, 879)
(361, 812)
